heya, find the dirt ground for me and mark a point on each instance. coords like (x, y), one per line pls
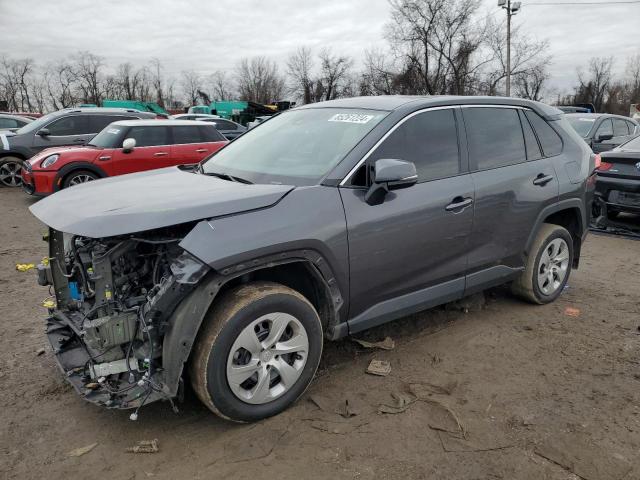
(483, 390)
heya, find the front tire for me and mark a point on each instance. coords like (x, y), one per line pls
(548, 266)
(10, 171)
(257, 351)
(79, 176)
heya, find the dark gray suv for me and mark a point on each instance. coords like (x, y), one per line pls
(322, 222)
(72, 126)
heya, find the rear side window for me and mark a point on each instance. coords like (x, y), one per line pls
(72, 125)
(494, 136)
(186, 134)
(632, 128)
(8, 123)
(549, 140)
(429, 140)
(147, 136)
(210, 134)
(620, 128)
(530, 142)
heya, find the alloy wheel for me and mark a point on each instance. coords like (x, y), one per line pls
(80, 178)
(267, 358)
(553, 266)
(10, 174)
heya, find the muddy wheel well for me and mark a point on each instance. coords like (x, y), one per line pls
(570, 219)
(300, 276)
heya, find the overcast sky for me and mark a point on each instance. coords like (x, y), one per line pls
(206, 35)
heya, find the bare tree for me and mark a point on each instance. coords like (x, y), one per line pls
(88, 70)
(60, 82)
(378, 76)
(437, 42)
(220, 85)
(258, 80)
(334, 70)
(190, 83)
(527, 57)
(299, 69)
(530, 83)
(593, 85)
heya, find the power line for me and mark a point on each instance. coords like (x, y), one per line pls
(582, 3)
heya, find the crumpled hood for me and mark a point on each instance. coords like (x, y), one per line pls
(147, 200)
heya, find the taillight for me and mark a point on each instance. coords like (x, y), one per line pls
(604, 166)
(598, 160)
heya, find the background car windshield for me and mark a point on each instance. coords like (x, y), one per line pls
(582, 125)
(297, 148)
(108, 138)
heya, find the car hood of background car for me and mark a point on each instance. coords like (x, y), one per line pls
(148, 200)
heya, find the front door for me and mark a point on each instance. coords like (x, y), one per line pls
(410, 252)
(71, 130)
(152, 150)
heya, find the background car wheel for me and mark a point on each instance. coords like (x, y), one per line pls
(548, 266)
(78, 177)
(257, 351)
(10, 171)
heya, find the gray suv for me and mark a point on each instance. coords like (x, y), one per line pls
(322, 222)
(72, 126)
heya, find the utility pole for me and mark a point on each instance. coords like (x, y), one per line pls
(512, 9)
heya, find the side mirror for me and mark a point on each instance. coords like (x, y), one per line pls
(390, 174)
(128, 145)
(43, 132)
(601, 137)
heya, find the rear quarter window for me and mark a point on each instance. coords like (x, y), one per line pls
(187, 134)
(210, 134)
(550, 141)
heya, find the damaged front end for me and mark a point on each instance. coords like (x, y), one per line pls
(114, 300)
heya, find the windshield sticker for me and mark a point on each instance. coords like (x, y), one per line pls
(5, 142)
(351, 118)
(113, 131)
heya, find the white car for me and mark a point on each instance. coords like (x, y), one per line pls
(193, 116)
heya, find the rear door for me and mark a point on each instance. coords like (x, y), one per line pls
(152, 150)
(188, 144)
(514, 182)
(69, 130)
(412, 248)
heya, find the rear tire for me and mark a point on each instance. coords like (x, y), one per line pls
(240, 367)
(548, 266)
(79, 176)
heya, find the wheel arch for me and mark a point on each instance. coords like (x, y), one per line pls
(569, 214)
(69, 168)
(297, 270)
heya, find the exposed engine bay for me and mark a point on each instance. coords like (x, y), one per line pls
(114, 297)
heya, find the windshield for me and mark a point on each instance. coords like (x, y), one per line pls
(582, 125)
(632, 145)
(37, 124)
(109, 137)
(298, 147)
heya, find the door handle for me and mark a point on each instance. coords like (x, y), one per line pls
(160, 154)
(202, 150)
(104, 158)
(79, 140)
(458, 203)
(541, 180)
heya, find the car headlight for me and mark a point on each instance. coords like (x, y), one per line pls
(50, 160)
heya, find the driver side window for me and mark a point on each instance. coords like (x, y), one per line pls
(429, 140)
(605, 128)
(72, 125)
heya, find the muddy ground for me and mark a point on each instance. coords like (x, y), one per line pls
(506, 391)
